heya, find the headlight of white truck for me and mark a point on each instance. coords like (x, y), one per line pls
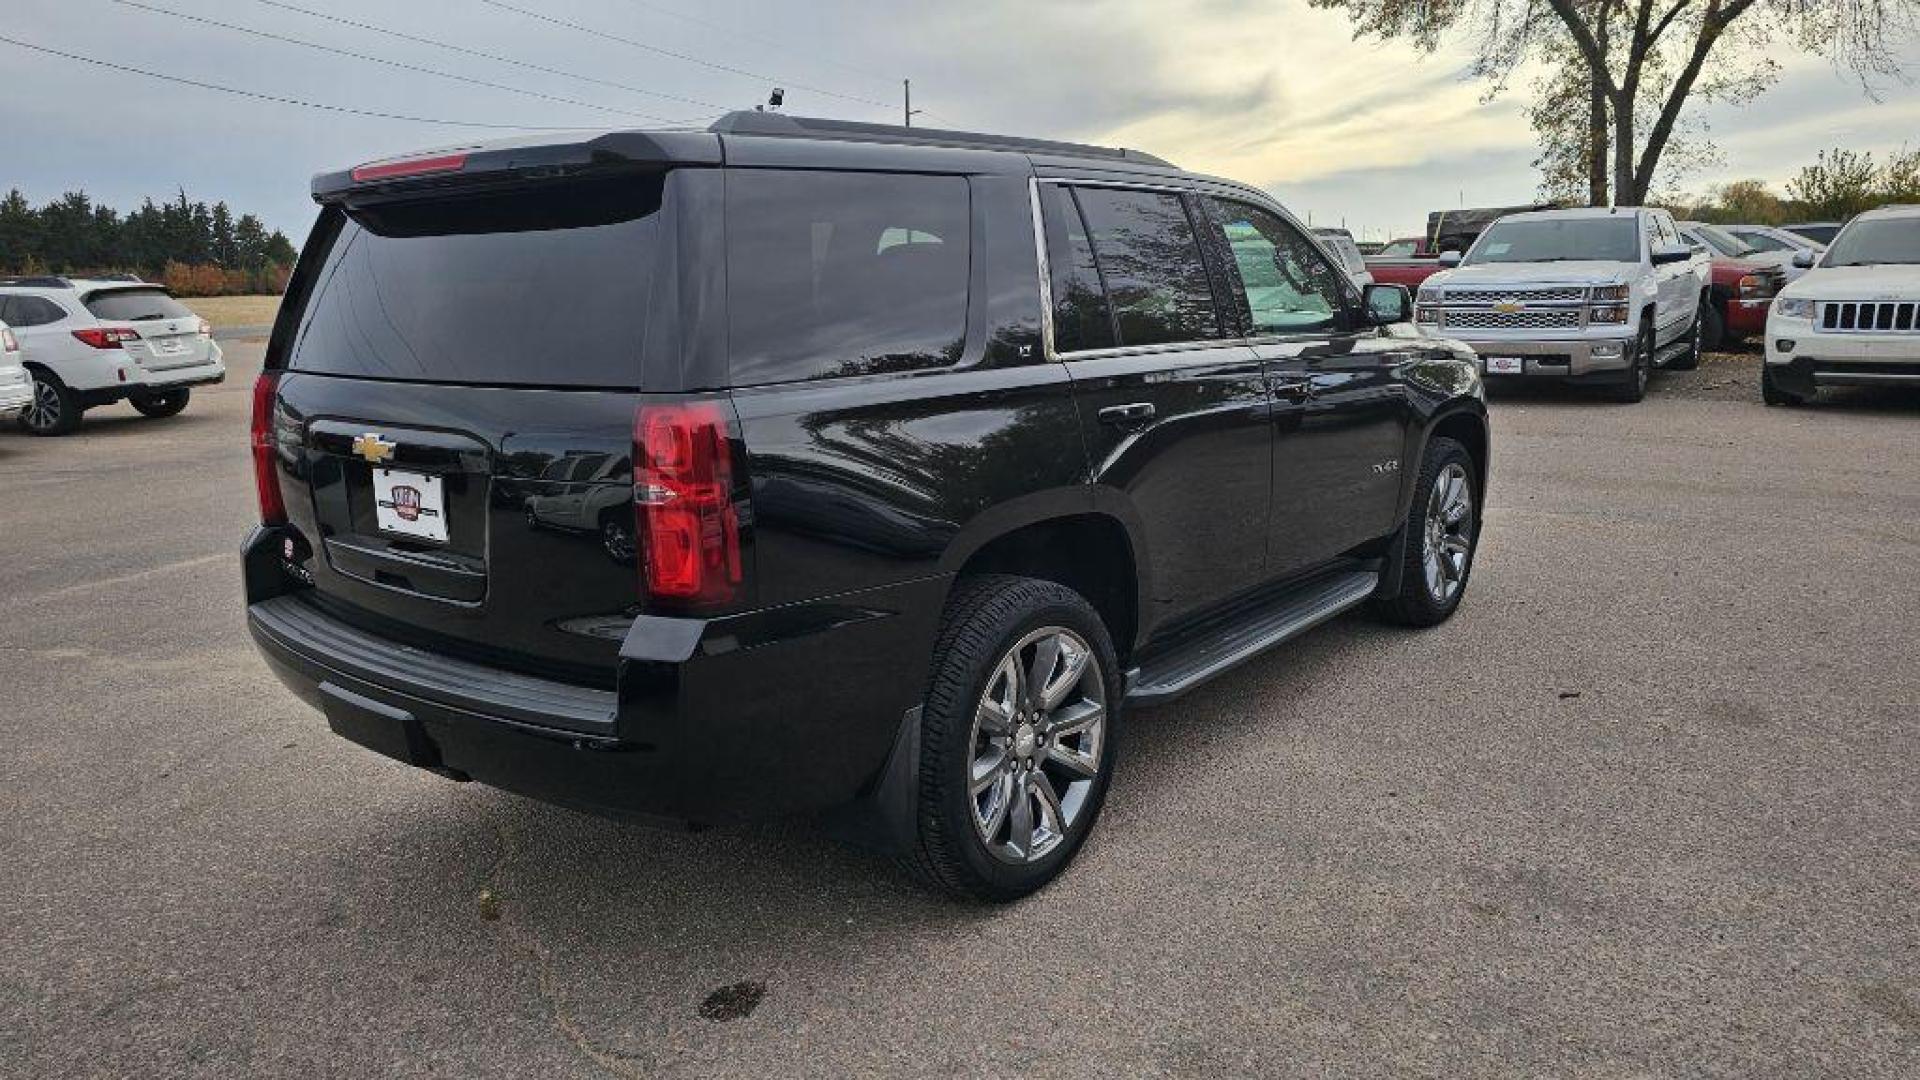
(1603, 294)
(1793, 308)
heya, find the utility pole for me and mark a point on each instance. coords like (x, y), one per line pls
(906, 87)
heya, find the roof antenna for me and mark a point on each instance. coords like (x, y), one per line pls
(774, 100)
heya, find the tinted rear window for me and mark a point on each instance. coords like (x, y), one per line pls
(136, 305)
(548, 287)
(1149, 260)
(844, 273)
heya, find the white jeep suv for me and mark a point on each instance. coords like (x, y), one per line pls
(1854, 318)
(1588, 297)
(90, 343)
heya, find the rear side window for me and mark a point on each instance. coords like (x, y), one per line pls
(832, 274)
(1081, 316)
(542, 287)
(1149, 259)
(135, 305)
(24, 311)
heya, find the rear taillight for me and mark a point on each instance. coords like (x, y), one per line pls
(683, 502)
(206, 328)
(266, 476)
(106, 337)
(9, 343)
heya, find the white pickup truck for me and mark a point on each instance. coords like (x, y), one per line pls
(1591, 296)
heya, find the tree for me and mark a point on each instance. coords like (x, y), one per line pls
(1640, 62)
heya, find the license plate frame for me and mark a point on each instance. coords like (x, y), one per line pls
(410, 504)
(1506, 365)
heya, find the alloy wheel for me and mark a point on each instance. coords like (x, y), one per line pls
(43, 412)
(1449, 533)
(1038, 733)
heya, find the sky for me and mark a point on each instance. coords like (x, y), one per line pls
(1266, 91)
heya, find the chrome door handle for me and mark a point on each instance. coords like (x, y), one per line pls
(1138, 412)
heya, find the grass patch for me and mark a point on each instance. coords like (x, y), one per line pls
(226, 311)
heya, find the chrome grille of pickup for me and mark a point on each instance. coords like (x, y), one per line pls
(1525, 319)
(1568, 294)
(1867, 317)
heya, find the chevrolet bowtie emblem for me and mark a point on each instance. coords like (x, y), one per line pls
(1508, 307)
(372, 447)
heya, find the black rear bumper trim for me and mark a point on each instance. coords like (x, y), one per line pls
(297, 627)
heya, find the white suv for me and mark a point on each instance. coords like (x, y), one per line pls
(1854, 318)
(16, 389)
(90, 343)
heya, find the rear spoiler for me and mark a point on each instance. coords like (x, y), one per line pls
(502, 164)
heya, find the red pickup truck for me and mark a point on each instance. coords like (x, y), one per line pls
(1407, 261)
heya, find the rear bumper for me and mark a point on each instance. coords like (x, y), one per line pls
(16, 388)
(155, 382)
(773, 712)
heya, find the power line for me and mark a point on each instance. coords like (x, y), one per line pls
(761, 39)
(387, 63)
(256, 95)
(681, 56)
(485, 55)
(764, 40)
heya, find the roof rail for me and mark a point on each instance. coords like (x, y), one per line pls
(39, 281)
(133, 278)
(754, 122)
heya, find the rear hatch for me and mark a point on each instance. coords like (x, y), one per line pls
(170, 335)
(458, 405)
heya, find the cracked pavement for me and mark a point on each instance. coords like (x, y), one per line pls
(1646, 808)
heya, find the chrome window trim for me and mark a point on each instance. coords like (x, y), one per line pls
(1047, 349)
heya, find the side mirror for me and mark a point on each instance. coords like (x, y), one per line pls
(1387, 304)
(1805, 259)
(1662, 254)
(1449, 258)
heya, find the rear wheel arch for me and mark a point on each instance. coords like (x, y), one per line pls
(1090, 553)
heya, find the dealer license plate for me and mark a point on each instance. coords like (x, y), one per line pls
(410, 504)
(1506, 365)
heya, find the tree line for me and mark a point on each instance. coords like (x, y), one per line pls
(193, 248)
(1839, 184)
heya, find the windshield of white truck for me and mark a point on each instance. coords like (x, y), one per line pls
(1606, 239)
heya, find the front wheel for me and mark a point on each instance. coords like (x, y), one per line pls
(1017, 737)
(1770, 391)
(1441, 532)
(161, 406)
(1634, 388)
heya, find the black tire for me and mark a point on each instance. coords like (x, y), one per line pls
(1415, 603)
(1713, 327)
(1704, 321)
(1772, 394)
(1633, 388)
(988, 616)
(54, 410)
(161, 406)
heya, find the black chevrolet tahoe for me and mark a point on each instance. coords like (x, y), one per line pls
(801, 466)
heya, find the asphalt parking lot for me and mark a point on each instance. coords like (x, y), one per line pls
(1646, 808)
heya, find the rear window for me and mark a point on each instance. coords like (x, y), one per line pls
(135, 305)
(548, 287)
(832, 274)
